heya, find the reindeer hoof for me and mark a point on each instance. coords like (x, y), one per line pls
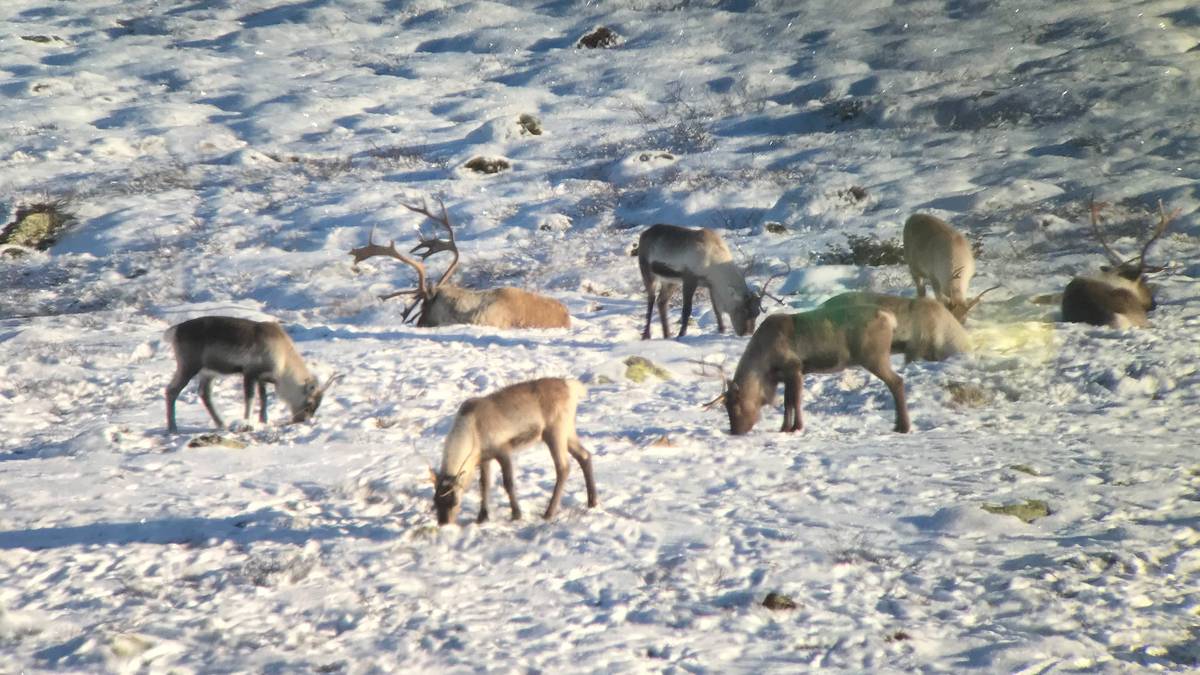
(903, 429)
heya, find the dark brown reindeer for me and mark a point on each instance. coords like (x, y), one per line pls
(442, 304)
(260, 350)
(495, 426)
(825, 340)
(670, 255)
(1119, 296)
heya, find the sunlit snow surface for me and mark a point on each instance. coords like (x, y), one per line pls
(223, 157)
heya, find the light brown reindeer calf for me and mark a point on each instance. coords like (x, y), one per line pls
(495, 426)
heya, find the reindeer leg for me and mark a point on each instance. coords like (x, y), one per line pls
(798, 378)
(895, 384)
(506, 473)
(585, 464)
(716, 311)
(917, 281)
(558, 452)
(665, 291)
(485, 481)
(176, 385)
(789, 404)
(247, 394)
(689, 290)
(262, 401)
(651, 288)
(206, 398)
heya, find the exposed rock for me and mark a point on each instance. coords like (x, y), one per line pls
(1028, 510)
(778, 601)
(37, 226)
(207, 440)
(639, 369)
(488, 165)
(602, 37)
(531, 124)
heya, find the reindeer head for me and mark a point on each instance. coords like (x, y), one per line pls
(961, 309)
(742, 408)
(745, 313)
(313, 393)
(425, 292)
(447, 497)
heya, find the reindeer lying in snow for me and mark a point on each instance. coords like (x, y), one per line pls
(496, 426)
(443, 304)
(825, 340)
(925, 329)
(259, 350)
(1119, 296)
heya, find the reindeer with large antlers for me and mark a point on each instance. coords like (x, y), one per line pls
(1118, 297)
(670, 255)
(441, 304)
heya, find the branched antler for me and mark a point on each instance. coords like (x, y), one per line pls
(1164, 219)
(428, 246)
(708, 370)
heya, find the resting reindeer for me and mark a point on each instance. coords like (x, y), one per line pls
(669, 255)
(825, 340)
(444, 304)
(1118, 297)
(940, 254)
(259, 350)
(925, 329)
(495, 426)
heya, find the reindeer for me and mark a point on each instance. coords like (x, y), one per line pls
(925, 329)
(824, 340)
(1119, 297)
(444, 304)
(259, 350)
(497, 425)
(670, 254)
(940, 254)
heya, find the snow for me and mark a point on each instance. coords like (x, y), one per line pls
(223, 158)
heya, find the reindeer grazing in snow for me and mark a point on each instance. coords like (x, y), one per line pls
(942, 255)
(925, 329)
(825, 340)
(669, 255)
(259, 350)
(443, 304)
(1118, 297)
(497, 425)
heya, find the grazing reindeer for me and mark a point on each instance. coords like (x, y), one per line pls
(259, 350)
(443, 304)
(495, 426)
(670, 254)
(1119, 296)
(925, 329)
(825, 340)
(940, 254)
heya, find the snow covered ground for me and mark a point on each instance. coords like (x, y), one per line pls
(223, 157)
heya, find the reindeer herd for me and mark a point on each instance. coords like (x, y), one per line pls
(850, 329)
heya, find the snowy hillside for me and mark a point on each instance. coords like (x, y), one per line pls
(223, 157)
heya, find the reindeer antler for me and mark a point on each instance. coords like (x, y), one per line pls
(708, 369)
(428, 247)
(1094, 208)
(764, 294)
(372, 250)
(1164, 219)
